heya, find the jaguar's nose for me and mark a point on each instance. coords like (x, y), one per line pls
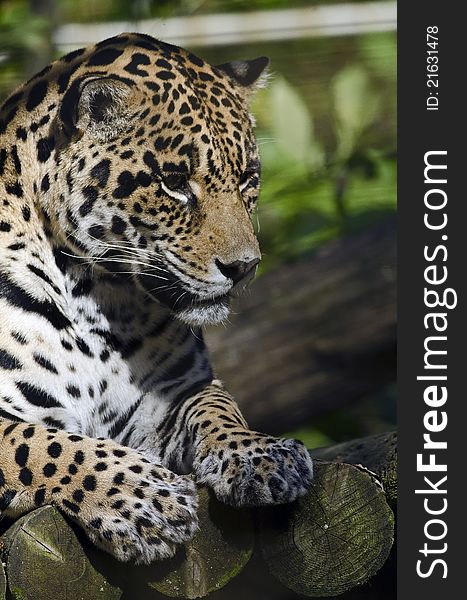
(237, 270)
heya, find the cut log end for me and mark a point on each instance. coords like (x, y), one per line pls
(57, 566)
(334, 538)
(217, 553)
(378, 453)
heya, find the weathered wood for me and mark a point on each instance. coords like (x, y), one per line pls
(378, 453)
(217, 553)
(45, 560)
(255, 580)
(62, 565)
(2, 581)
(331, 540)
(334, 538)
(313, 335)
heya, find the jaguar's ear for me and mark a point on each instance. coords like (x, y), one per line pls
(249, 74)
(97, 105)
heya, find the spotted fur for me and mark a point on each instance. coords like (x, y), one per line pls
(129, 171)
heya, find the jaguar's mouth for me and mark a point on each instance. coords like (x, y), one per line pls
(188, 306)
(186, 300)
(205, 312)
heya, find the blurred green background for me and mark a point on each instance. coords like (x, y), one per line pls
(326, 125)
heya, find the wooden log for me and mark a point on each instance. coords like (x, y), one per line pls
(331, 540)
(218, 552)
(378, 453)
(45, 560)
(2, 580)
(312, 335)
(62, 562)
(334, 538)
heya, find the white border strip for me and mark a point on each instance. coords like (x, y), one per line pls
(238, 28)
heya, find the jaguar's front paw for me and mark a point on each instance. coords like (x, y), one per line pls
(133, 509)
(253, 469)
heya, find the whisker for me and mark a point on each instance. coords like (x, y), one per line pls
(179, 298)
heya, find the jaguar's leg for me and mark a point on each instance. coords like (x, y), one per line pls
(243, 467)
(126, 505)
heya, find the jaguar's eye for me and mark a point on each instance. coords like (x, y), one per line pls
(176, 186)
(176, 181)
(247, 178)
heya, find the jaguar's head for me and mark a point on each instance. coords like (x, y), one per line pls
(158, 170)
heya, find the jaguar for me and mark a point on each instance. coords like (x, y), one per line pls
(129, 173)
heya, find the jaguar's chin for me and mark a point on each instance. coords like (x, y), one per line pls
(188, 307)
(204, 314)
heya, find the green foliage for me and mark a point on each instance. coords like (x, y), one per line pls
(22, 35)
(285, 114)
(312, 437)
(328, 167)
(315, 189)
(18, 30)
(356, 106)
